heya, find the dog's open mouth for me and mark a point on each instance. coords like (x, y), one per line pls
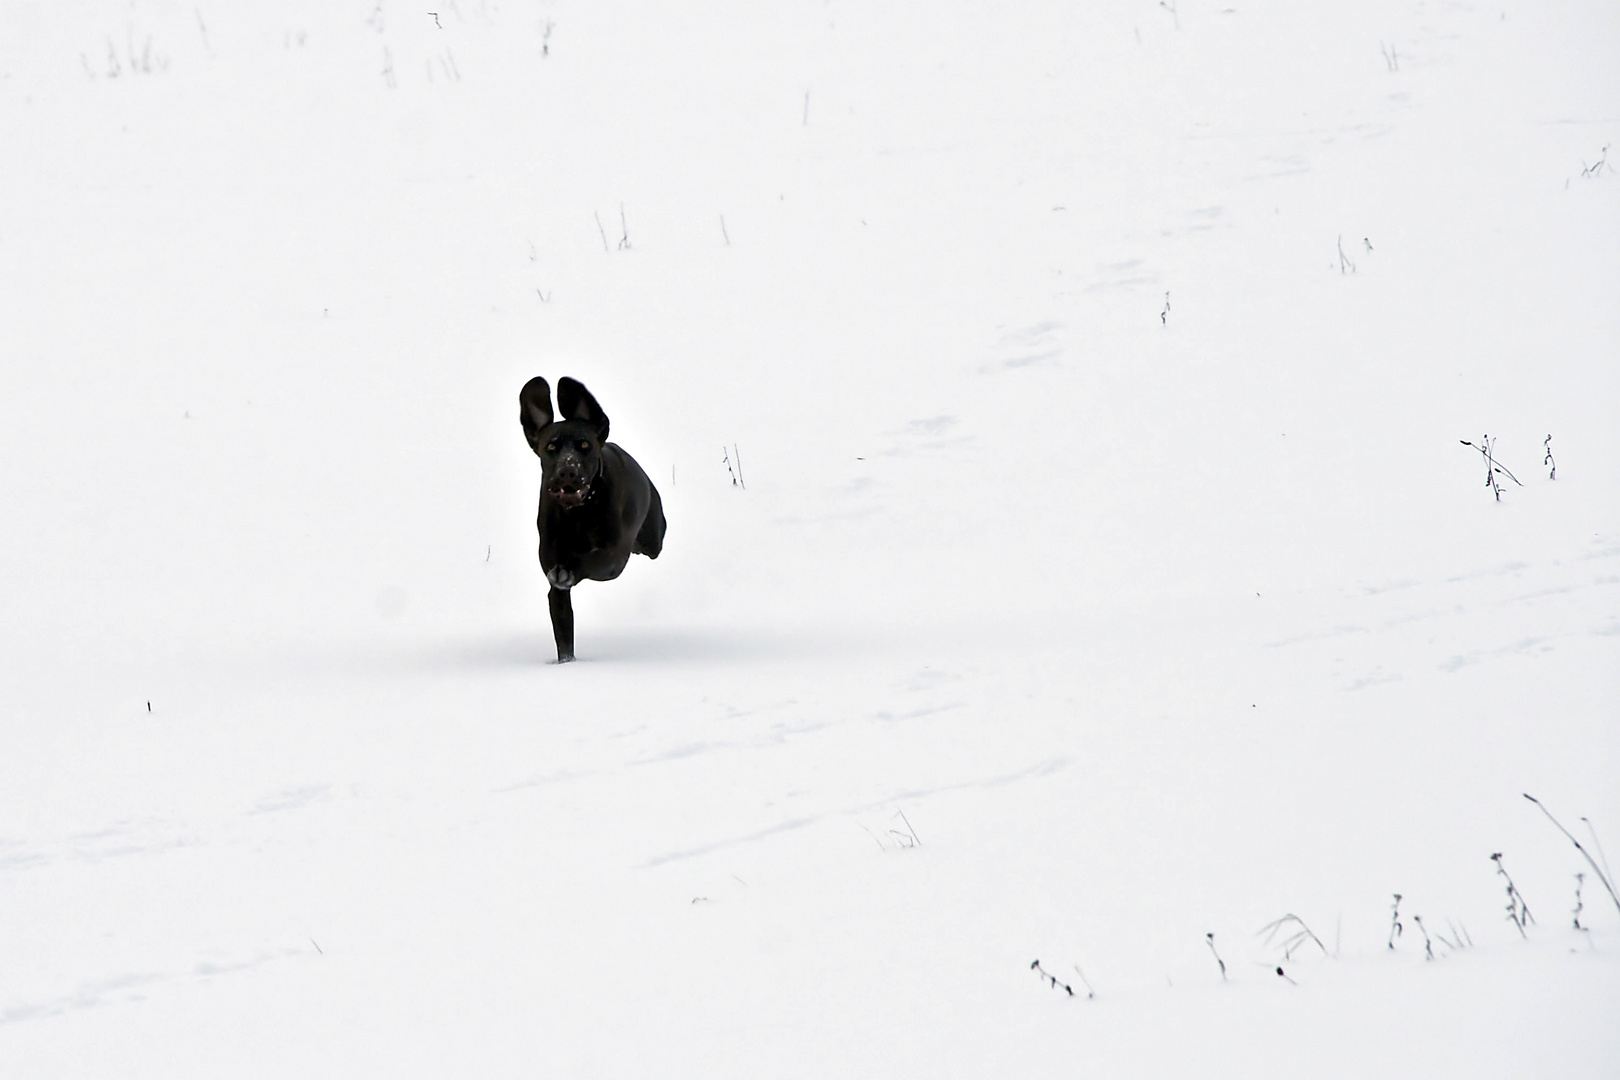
(569, 496)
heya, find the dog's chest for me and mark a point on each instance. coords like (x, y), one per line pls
(574, 534)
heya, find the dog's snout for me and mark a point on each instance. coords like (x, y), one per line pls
(570, 481)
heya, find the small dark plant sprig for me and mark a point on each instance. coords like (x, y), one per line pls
(1457, 942)
(736, 473)
(1580, 879)
(903, 840)
(138, 63)
(909, 838)
(1428, 946)
(1596, 843)
(447, 64)
(1090, 993)
(1552, 466)
(1345, 265)
(1493, 468)
(1459, 939)
(1209, 939)
(1597, 167)
(1596, 869)
(1518, 912)
(1294, 934)
(1395, 927)
(1056, 983)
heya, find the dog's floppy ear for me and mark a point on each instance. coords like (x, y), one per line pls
(534, 409)
(574, 402)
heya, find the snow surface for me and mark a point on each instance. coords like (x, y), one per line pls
(1108, 575)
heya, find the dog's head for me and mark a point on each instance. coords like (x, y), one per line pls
(570, 445)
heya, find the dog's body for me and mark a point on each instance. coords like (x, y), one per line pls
(597, 507)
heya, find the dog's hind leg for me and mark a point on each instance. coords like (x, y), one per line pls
(562, 622)
(650, 540)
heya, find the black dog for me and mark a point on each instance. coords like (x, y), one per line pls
(596, 505)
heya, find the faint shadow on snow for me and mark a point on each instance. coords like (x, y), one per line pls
(1029, 346)
(1039, 769)
(1378, 678)
(655, 646)
(290, 798)
(131, 987)
(1524, 647)
(150, 836)
(86, 996)
(645, 645)
(1315, 635)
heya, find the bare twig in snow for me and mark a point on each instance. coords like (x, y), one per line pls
(1209, 939)
(1295, 937)
(909, 837)
(1090, 993)
(1487, 450)
(1518, 912)
(1596, 869)
(1598, 844)
(1428, 947)
(1035, 966)
(736, 473)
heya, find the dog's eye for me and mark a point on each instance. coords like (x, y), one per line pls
(551, 448)
(583, 445)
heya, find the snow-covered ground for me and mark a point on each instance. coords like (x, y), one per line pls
(1109, 572)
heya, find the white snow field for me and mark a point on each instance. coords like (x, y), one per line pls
(1109, 572)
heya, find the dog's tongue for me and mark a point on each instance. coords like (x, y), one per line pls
(568, 496)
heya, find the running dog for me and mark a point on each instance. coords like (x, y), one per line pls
(597, 507)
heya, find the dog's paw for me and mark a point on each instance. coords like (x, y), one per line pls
(560, 578)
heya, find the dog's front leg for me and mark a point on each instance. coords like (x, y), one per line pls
(562, 622)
